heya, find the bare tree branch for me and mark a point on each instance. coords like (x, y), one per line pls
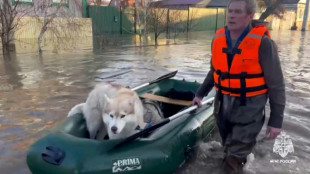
(63, 29)
(10, 16)
(272, 7)
(156, 19)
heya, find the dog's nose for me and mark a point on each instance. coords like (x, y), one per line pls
(114, 129)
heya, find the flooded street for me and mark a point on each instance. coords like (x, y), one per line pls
(36, 92)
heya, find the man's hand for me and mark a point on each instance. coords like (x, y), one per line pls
(197, 101)
(272, 132)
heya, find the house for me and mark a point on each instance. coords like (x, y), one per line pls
(99, 2)
(34, 15)
(181, 4)
(116, 3)
(192, 3)
(300, 10)
(292, 18)
(37, 8)
(132, 3)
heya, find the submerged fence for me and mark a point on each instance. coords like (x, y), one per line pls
(113, 20)
(62, 33)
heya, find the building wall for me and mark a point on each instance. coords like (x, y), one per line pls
(37, 8)
(286, 23)
(207, 19)
(300, 15)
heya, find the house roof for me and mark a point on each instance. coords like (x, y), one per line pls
(290, 1)
(181, 2)
(99, 3)
(224, 3)
(204, 3)
(218, 3)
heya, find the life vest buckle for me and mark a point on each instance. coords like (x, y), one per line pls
(224, 76)
(243, 75)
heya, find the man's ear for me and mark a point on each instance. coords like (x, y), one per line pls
(252, 16)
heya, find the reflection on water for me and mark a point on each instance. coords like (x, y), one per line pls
(37, 92)
(53, 44)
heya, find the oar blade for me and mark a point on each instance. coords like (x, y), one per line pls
(166, 76)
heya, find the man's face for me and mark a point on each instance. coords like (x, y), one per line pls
(238, 19)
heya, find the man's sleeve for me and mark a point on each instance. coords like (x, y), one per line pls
(207, 84)
(269, 60)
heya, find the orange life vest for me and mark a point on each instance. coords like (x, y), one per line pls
(245, 77)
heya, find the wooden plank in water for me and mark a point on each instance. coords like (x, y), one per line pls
(167, 100)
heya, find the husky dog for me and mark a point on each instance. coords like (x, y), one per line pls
(123, 114)
(111, 109)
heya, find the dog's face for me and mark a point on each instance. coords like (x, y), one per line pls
(119, 115)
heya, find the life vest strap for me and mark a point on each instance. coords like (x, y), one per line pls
(239, 90)
(232, 51)
(243, 89)
(238, 76)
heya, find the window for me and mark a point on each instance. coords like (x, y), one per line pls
(27, 2)
(58, 2)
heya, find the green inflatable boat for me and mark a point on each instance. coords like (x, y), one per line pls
(161, 148)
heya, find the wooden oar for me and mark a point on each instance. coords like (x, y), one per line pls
(166, 76)
(167, 100)
(113, 74)
(164, 122)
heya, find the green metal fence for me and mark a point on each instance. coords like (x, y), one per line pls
(105, 20)
(114, 20)
(111, 20)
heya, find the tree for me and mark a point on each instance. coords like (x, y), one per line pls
(176, 22)
(59, 30)
(139, 17)
(192, 23)
(272, 7)
(10, 16)
(156, 18)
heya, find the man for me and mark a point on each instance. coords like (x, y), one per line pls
(245, 70)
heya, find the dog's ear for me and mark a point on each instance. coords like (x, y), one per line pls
(107, 98)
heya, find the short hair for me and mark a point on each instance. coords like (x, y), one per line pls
(250, 5)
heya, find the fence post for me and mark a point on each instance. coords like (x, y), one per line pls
(306, 15)
(217, 14)
(168, 21)
(135, 18)
(225, 18)
(187, 26)
(85, 9)
(121, 19)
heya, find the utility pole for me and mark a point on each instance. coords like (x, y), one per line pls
(306, 15)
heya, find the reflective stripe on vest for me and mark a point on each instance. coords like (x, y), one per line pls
(245, 77)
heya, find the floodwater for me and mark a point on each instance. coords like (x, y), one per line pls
(36, 92)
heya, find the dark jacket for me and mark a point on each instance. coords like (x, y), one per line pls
(270, 63)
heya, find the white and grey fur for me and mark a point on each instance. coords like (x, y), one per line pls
(94, 109)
